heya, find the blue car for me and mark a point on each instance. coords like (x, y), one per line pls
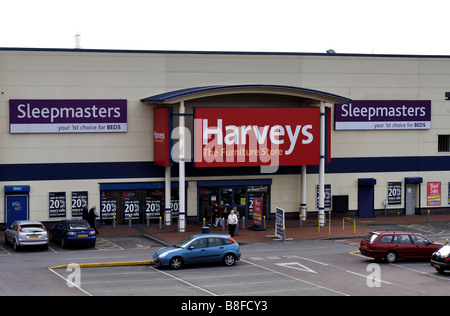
(199, 249)
(73, 232)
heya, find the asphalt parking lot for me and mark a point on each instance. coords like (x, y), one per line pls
(291, 268)
(319, 267)
(245, 279)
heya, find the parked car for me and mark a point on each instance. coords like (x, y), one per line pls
(440, 259)
(26, 233)
(73, 232)
(392, 245)
(199, 249)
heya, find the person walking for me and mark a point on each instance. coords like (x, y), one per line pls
(91, 218)
(85, 213)
(232, 222)
(217, 214)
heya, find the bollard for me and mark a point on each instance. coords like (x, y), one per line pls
(223, 223)
(114, 221)
(354, 224)
(204, 222)
(428, 217)
(300, 221)
(129, 221)
(329, 228)
(284, 233)
(148, 220)
(160, 222)
(264, 222)
(243, 222)
(318, 225)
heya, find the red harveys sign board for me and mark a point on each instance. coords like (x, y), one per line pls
(162, 142)
(242, 137)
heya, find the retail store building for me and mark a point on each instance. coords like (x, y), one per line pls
(136, 132)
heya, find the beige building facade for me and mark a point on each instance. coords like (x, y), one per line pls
(77, 127)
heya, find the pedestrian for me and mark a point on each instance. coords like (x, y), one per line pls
(232, 223)
(218, 214)
(85, 212)
(91, 218)
(236, 212)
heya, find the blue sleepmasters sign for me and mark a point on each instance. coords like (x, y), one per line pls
(383, 114)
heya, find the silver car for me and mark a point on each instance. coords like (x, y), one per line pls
(26, 233)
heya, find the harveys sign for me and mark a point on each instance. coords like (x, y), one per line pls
(228, 137)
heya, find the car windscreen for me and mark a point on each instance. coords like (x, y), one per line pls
(184, 242)
(78, 225)
(32, 228)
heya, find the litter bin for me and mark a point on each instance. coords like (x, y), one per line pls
(205, 230)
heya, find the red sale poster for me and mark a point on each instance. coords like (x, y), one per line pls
(433, 193)
(257, 211)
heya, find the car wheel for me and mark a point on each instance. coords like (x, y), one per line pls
(440, 270)
(63, 243)
(176, 263)
(229, 259)
(6, 239)
(391, 256)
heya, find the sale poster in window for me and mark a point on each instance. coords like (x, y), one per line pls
(433, 193)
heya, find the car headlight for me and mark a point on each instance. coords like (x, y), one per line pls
(163, 254)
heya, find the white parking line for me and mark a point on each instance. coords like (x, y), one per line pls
(365, 276)
(183, 281)
(71, 283)
(422, 272)
(291, 277)
(4, 250)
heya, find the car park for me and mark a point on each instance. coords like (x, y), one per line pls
(199, 249)
(26, 233)
(392, 245)
(73, 232)
(440, 259)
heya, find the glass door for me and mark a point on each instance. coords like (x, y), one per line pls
(231, 197)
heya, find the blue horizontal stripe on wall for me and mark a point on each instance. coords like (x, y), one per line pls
(385, 164)
(146, 169)
(79, 171)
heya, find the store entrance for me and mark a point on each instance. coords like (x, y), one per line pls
(229, 196)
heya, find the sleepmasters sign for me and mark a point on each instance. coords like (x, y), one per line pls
(238, 137)
(68, 116)
(383, 114)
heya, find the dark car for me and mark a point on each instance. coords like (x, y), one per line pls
(199, 249)
(391, 245)
(440, 259)
(73, 232)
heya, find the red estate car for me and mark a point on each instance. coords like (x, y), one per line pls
(392, 245)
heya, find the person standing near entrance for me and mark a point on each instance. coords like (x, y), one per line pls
(92, 217)
(232, 222)
(236, 212)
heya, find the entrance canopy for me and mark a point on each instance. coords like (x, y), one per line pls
(210, 91)
(313, 132)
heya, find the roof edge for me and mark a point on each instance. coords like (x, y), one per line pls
(187, 94)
